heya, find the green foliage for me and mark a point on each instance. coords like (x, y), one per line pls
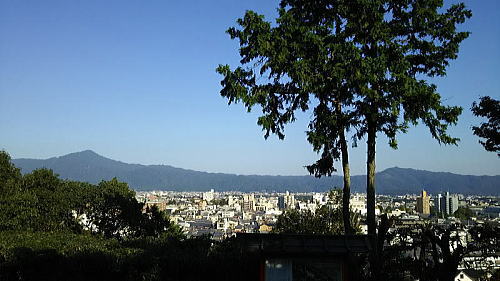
(490, 131)
(63, 242)
(52, 201)
(298, 222)
(327, 219)
(40, 201)
(463, 213)
(9, 174)
(19, 211)
(66, 256)
(290, 66)
(17, 207)
(157, 223)
(115, 212)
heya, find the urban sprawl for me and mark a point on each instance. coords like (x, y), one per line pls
(222, 214)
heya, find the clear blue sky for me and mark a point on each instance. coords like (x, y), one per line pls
(135, 81)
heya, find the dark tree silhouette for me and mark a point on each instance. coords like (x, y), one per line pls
(488, 108)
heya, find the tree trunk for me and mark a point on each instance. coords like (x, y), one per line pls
(370, 198)
(346, 192)
(370, 178)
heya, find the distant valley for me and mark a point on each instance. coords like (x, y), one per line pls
(91, 167)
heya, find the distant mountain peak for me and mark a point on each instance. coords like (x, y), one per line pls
(85, 154)
(396, 168)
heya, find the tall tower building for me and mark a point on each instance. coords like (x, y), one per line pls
(423, 204)
(444, 203)
(453, 201)
(437, 203)
(449, 203)
(281, 202)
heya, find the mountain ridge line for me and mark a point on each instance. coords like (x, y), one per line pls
(91, 167)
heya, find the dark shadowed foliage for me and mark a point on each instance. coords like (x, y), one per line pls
(488, 108)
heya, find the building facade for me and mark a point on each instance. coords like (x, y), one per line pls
(248, 202)
(448, 203)
(423, 203)
(286, 201)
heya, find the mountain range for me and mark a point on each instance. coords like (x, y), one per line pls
(91, 167)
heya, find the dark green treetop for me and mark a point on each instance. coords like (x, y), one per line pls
(399, 44)
(490, 131)
(463, 213)
(9, 174)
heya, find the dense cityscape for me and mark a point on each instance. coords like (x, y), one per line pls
(222, 214)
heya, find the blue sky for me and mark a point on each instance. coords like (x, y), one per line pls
(135, 81)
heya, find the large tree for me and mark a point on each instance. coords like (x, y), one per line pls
(399, 44)
(359, 63)
(302, 61)
(114, 211)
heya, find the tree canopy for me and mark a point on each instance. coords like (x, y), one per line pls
(490, 130)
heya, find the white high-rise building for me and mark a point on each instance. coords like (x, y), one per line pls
(437, 203)
(453, 201)
(448, 203)
(208, 196)
(286, 201)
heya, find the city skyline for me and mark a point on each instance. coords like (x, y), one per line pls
(136, 82)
